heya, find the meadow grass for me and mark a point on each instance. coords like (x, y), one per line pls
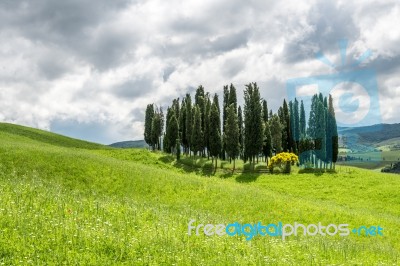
(83, 204)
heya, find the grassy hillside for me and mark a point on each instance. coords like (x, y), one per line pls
(64, 201)
(46, 137)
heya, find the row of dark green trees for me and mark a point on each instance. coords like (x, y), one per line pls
(196, 127)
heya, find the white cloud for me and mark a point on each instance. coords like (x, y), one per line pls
(78, 71)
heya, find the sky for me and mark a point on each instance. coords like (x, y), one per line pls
(87, 69)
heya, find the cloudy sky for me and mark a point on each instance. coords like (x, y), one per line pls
(88, 69)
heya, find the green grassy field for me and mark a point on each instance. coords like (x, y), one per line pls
(64, 201)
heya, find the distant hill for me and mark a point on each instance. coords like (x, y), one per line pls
(130, 144)
(370, 138)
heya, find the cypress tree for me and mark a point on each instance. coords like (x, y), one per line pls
(296, 124)
(172, 131)
(175, 106)
(189, 121)
(215, 131)
(240, 124)
(320, 140)
(197, 133)
(207, 124)
(224, 109)
(167, 146)
(302, 121)
(182, 125)
(265, 111)
(312, 127)
(231, 136)
(267, 144)
(334, 132)
(156, 130)
(232, 97)
(286, 135)
(292, 125)
(253, 130)
(200, 101)
(178, 149)
(276, 133)
(148, 120)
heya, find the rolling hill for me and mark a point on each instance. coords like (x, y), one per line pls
(369, 138)
(130, 144)
(66, 201)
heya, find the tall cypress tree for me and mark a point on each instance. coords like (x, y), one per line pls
(167, 146)
(197, 133)
(182, 125)
(156, 129)
(276, 133)
(172, 131)
(189, 124)
(240, 124)
(312, 127)
(265, 111)
(333, 132)
(148, 120)
(200, 101)
(175, 106)
(302, 122)
(267, 144)
(253, 122)
(286, 135)
(231, 136)
(296, 124)
(232, 97)
(224, 109)
(207, 124)
(291, 119)
(215, 131)
(321, 132)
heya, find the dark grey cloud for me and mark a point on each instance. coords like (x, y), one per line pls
(329, 23)
(167, 72)
(72, 26)
(134, 88)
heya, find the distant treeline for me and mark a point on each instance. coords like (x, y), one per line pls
(245, 134)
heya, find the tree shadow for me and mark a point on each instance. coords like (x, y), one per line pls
(166, 159)
(247, 177)
(316, 172)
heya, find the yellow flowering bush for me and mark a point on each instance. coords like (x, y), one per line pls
(283, 160)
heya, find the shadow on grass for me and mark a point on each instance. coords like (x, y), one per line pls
(166, 159)
(316, 172)
(247, 177)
